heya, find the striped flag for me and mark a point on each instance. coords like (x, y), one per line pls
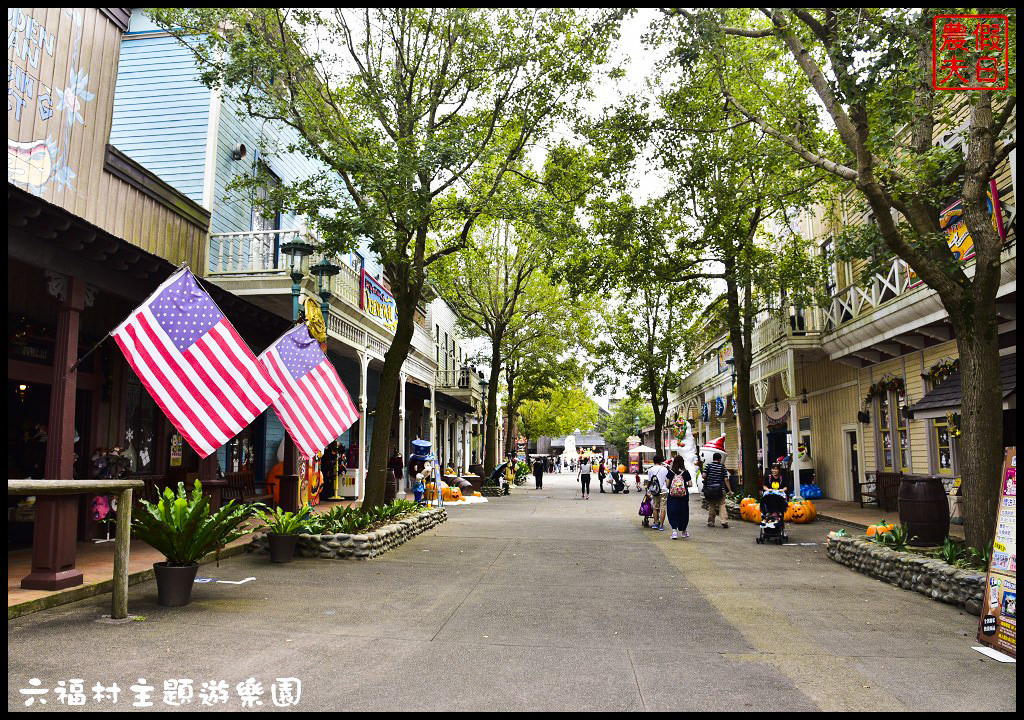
(194, 364)
(314, 406)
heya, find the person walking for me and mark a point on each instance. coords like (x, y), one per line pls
(657, 488)
(538, 473)
(716, 485)
(601, 473)
(679, 499)
(584, 480)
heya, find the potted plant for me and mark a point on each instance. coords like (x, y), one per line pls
(283, 528)
(181, 527)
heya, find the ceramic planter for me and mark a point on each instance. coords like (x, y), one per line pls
(282, 547)
(174, 584)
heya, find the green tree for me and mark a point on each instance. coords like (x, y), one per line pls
(566, 409)
(628, 417)
(871, 70)
(646, 339)
(418, 113)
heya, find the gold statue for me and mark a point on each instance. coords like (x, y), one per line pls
(315, 321)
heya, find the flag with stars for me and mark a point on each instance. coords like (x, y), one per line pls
(193, 362)
(314, 406)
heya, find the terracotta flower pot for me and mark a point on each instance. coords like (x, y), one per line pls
(282, 547)
(174, 584)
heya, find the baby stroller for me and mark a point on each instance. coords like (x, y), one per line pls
(773, 518)
(646, 510)
(618, 483)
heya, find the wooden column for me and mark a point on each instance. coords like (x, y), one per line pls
(794, 429)
(765, 464)
(364, 365)
(403, 481)
(56, 523)
(288, 487)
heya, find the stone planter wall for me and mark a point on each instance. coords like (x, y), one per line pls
(366, 545)
(490, 491)
(929, 576)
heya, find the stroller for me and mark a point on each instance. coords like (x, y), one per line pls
(618, 483)
(646, 510)
(773, 518)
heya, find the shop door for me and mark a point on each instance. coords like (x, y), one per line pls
(851, 439)
(777, 446)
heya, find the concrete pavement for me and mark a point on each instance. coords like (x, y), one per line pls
(539, 601)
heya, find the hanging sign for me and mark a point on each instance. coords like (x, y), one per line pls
(378, 303)
(724, 355)
(705, 411)
(175, 450)
(952, 222)
(720, 407)
(997, 627)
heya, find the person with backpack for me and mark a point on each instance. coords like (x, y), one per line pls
(716, 485)
(657, 487)
(679, 499)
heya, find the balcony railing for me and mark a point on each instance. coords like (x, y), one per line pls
(251, 251)
(461, 379)
(776, 325)
(852, 302)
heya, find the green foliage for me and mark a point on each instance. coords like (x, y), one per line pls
(951, 551)
(181, 527)
(897, 539)
(630, 415)
(280, 522)
(566, 410)
(352, 520)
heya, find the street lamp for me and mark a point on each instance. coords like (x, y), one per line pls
(324, 269)
(296, 250)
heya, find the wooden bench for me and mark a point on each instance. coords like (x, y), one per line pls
(241, 487)
(881, 488)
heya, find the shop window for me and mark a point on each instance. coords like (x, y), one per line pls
(893, 432)
(139, 427)
(238, 453)
(942, 451)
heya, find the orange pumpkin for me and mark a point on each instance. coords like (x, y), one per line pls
(798, 513)
(880, 529)
(751, 512)
(748, 501)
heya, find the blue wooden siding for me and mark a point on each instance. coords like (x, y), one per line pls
(161, 112)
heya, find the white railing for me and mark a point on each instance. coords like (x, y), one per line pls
(699, 376)
(852, 302)
(461, 379)
(252, 251)
(775, 325)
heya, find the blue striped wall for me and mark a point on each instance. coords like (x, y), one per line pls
(161, 113)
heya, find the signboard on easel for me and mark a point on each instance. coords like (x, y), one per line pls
(998, 625)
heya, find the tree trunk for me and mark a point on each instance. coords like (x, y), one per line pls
(491, 433)
(739, 336)
(390, 378)
(981, 420)
(659, 428)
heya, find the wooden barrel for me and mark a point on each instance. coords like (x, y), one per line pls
(390, 486)
(924, 509)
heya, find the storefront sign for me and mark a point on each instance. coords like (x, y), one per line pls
(957, 235)
(998, 625)
(378, 303)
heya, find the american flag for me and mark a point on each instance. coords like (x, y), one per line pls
(314, 406)
(194, 364)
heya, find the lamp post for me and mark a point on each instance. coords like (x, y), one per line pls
(296, 250)
(288, 489)
(483, 407)
(324, 271)
(731, 362)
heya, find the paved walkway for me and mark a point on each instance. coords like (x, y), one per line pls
(540, 601)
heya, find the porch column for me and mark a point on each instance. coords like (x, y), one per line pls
(794, 429)
(402, 377)
(764, 444)
(465, 444)
(364, 364)
(56, 526)
(433, 426)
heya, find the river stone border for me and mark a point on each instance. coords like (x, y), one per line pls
(362, 546)
(929, 576)
(732, 509)
(491, 491)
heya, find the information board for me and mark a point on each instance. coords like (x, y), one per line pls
(998, 625)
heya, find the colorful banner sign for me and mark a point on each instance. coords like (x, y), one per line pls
(634, 457)
(377, 302)
(720, 407)
(705, 412)
(951, 220)
(724, 355)
(997, 627)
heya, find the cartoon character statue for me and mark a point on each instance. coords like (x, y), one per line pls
(689, 453)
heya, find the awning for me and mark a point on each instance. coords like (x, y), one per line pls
(945, 397)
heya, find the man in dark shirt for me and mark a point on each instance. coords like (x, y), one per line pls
(538, 472)
(716, 486)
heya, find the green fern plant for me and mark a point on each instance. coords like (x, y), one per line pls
(181, 528)
(280, 522)
(951, 551)
(897, 538)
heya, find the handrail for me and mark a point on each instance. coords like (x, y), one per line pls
(122, 543)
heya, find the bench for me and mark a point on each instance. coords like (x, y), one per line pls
(881, 488)
(241, 487)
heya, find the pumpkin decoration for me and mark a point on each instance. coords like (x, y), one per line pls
(798, 513)
(880, 529)
(622, 468)
(751, 512)
(748, 501)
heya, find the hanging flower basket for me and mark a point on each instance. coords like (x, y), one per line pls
(883, 386)
(941, 370)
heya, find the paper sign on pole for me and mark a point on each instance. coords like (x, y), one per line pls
(998, 625)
